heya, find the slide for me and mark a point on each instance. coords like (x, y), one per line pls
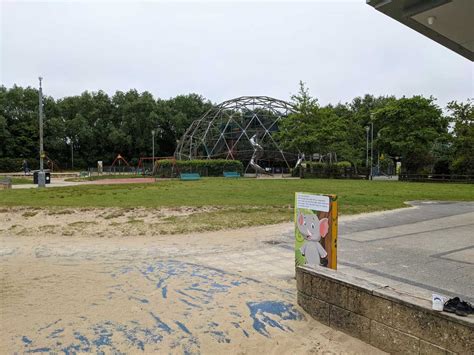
(257, 154)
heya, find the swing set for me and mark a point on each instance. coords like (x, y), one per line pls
(158, 166)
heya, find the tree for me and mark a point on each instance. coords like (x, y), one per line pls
(299, 131)
(314, 129)
(462, 116)
(408, 128)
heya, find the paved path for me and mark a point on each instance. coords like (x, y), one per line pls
(428, 247)
(64, 183)
(423, 249)
(419, 250)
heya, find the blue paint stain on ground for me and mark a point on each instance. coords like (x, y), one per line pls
(160, 283)
(219, 336)
(161, 324)
(270, 313)
(205, 284)
(236, 314)
(220, 287)
(183, 327)
(84, 342)
(39, 350)
(141, 300)
(26, 340)
(189, 303)
(185, 294)
(56, 333)
(49, 325)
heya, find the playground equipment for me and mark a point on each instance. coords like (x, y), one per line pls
(160, 166)
(300, 160)
(119, 159)
(257, 154)
(226, 131)
(155, 163)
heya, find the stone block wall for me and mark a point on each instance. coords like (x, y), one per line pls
(382, 317)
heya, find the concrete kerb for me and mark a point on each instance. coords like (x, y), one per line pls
(381, 316)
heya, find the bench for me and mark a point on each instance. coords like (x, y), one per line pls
(231, 174)
(5, 183)
(190, 176)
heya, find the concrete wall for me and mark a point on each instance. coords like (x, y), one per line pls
(388, 320)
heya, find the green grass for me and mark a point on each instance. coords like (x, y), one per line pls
(20, 180)
(104, 177)
(355, 196)
(238, 203)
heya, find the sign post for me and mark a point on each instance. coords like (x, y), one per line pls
(316, 230)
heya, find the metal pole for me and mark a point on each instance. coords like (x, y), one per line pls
(367, 150)
(153, 151)
(371, 150)
(41, 176)
(72, 155)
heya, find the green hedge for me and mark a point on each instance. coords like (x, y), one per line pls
(211, 167)
(336, 170)
(13, 165)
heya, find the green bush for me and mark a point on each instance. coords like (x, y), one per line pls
(336, 170)
(8, 165)
(211, 167)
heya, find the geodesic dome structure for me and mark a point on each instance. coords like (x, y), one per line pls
(241, 129)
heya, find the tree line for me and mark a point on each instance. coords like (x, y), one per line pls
(413, 131)
(96, 126)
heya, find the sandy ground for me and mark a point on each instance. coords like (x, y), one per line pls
(96, 222)
(87, 280)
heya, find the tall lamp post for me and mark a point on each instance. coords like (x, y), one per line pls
(367, 128)
(153, 150)
(371, 145)
(41, 174)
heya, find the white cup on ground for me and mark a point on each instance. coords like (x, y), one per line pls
(437, 302)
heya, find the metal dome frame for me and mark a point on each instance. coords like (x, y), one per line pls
(239, 129)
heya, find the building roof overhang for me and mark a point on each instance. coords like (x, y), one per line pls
(448, 22)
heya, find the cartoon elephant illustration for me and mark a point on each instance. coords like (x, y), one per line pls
(312, 229)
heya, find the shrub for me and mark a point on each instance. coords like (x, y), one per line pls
(211, 167)
(16, 164)
(336, 170)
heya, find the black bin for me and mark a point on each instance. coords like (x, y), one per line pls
(47, 177)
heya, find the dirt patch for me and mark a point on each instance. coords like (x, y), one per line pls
(129, 222)
(66, 289)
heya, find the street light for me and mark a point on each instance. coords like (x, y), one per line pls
(371, 145)
(367, 128)
(69, 142)
(41, 174)
(153, 150)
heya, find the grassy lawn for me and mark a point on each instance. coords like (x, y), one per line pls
(355, 196)
(106, 177)
(20, 180)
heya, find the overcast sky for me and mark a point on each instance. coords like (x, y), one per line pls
(225, 49)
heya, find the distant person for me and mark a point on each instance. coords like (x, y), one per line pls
(26, 169)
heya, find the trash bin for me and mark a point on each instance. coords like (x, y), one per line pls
(47, 177)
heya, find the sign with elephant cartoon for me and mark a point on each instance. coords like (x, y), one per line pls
(316, 230)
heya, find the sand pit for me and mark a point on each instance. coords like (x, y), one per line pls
(103, 290)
